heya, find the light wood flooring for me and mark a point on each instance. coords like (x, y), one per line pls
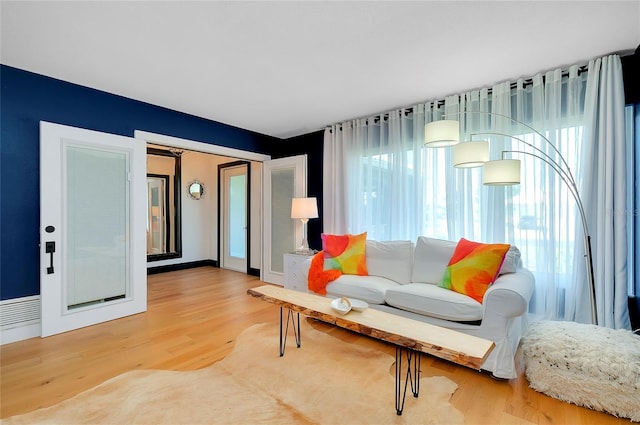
(192, 321)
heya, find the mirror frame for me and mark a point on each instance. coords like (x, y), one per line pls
(177, 183)
(167, 206)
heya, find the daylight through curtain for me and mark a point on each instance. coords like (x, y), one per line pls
(382, 180)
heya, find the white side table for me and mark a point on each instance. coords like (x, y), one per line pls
(295, 266)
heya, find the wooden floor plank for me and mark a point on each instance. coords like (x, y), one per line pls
(192, 321)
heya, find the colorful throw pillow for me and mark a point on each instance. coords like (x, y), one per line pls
(345, 253)
(318, 278)
(473, 267)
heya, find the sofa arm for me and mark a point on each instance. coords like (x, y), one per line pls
(509, 295)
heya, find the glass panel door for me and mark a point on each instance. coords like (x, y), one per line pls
(92, 227)
(283, 179)
(282, 226)
(237, 215)
(234, 217)
(97, 231)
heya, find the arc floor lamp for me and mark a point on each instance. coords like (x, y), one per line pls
(506, 171)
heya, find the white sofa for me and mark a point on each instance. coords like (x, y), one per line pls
(403, 280)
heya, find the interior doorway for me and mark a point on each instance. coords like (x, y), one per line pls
(200, 230)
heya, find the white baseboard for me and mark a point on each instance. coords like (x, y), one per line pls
(7, 336)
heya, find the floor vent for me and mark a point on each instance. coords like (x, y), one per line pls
(19, 312)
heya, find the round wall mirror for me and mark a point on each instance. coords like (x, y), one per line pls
(195, 189)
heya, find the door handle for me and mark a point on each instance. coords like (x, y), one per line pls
(50, 248)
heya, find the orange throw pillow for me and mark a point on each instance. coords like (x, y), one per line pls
(319, 278)
(473, 267)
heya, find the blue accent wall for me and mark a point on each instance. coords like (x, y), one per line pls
(25, 100)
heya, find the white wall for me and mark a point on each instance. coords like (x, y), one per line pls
(199, 217)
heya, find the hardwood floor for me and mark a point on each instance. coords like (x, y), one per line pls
(192, 321)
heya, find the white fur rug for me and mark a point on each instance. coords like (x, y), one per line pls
(586, 365)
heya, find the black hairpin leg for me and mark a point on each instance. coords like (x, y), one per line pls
(412, 376)
(284, 329)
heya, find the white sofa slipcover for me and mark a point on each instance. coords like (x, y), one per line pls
(403, 280)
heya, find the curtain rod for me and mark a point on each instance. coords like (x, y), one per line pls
(525, 83)
(440, 103)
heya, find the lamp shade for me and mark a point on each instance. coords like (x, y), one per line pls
(441, 133)
(502, 172)
(470, 154)
(304, 208)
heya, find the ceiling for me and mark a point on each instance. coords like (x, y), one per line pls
(289, 68)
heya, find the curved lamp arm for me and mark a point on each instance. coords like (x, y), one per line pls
(566, 171)
(587, 238)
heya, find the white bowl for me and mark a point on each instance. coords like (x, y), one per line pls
(358, 305)
(341, 305)
(344, 305)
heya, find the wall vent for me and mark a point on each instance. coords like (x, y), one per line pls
(19, 312)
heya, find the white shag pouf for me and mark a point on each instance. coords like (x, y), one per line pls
(586, 365)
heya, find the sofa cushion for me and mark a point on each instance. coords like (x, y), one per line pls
(345, 253)
(431, 300)
(430, 259)
(473, 267)
(512, 261)
(390, 259)
(370, 288)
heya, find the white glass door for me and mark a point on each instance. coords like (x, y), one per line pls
(92, 216)
(234, 218)
(283, 179)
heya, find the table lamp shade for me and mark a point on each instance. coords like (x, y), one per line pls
(304, 208)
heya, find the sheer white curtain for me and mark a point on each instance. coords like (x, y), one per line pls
(373, 165)
(380, 178)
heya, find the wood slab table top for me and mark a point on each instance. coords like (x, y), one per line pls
(458, 347)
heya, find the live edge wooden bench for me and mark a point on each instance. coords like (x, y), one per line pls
(410, 337)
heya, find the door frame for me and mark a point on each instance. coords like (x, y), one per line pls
(193, 145)
(221, 168)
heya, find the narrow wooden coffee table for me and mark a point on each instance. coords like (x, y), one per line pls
(409, 336)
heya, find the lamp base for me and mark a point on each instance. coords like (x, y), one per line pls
(304, 247)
